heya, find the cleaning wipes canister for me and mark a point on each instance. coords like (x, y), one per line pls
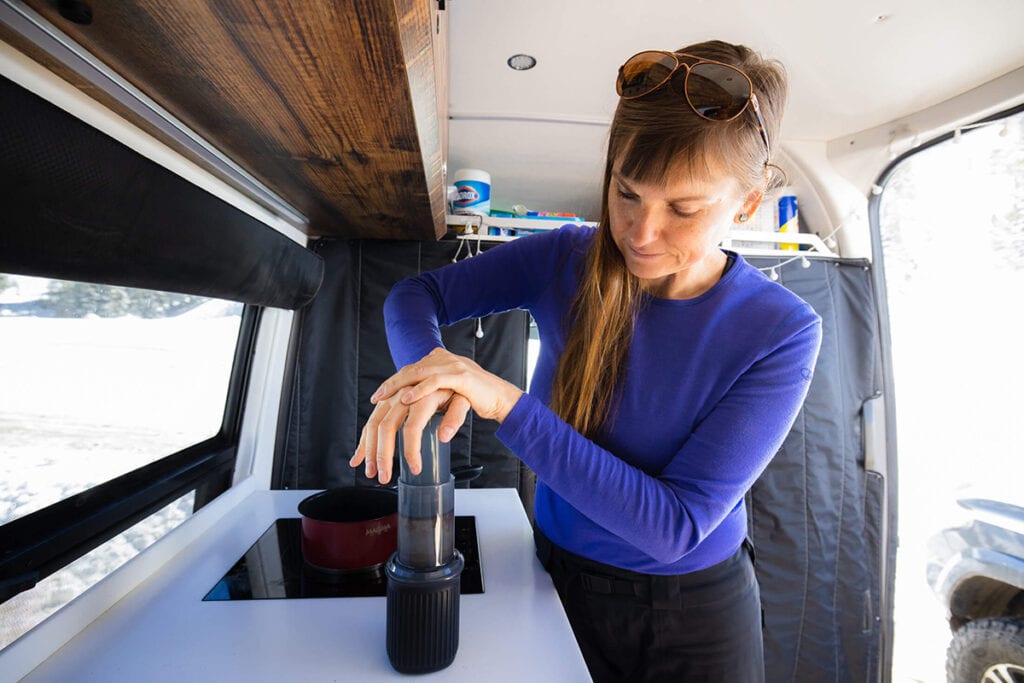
(473, 192)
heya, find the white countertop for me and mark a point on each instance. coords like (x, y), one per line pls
(163, 631)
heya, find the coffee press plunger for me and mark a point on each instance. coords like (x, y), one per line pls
(424, 574)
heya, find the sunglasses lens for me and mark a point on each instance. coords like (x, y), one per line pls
(643, 73)
(716, 91)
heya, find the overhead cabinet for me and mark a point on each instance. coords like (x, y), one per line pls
(336, 107)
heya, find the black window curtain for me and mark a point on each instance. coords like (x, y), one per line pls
(79, 205)
(340, 355)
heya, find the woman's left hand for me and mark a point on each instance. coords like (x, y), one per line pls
(439, 374)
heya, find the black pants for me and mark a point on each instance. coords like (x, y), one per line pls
(702, 626)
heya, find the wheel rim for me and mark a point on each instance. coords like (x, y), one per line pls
(1003, 673)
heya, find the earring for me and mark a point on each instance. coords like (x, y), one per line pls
(742, 218)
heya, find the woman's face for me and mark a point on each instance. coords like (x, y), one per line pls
(669, 233)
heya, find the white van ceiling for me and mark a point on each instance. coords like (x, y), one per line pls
(852, 66)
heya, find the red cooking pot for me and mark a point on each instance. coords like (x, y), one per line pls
(355, 528)
(349, 529)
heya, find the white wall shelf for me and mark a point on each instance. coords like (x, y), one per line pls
(746, 242)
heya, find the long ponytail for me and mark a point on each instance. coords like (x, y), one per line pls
(593, 363)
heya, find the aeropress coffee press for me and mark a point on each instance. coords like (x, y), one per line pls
(424, 574)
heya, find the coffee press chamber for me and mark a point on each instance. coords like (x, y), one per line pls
(424, 573)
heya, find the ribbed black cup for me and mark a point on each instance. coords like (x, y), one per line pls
(423, 615)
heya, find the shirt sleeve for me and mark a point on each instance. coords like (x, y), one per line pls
(512, 275)
(668, 514)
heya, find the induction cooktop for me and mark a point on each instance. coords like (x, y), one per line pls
(273, 568)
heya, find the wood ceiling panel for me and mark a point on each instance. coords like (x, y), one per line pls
(330, 104)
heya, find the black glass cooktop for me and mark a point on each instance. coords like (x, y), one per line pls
(273, 568)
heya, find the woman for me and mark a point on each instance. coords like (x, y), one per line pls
(670, 371)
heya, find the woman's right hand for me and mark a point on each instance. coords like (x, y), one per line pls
(377, 442)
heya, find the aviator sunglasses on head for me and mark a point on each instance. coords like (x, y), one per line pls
(715, 91)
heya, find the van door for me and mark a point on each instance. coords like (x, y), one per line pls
(949, 222)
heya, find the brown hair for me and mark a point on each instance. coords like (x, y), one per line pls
(651, 138)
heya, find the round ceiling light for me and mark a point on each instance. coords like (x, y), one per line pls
(521, 62)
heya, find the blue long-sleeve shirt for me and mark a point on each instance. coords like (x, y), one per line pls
(712, 386)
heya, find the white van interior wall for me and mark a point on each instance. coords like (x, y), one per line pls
(828, 201)
(263, 399)
(862, 156)
(544, 165)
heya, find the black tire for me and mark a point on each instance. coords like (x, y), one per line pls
(987, 651)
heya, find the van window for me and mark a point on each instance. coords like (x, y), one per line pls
(26, 610)
(95, 382)
(100, 380)
(952, 231)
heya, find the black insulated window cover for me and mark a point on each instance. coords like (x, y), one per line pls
(816, 513)
(78, 205)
